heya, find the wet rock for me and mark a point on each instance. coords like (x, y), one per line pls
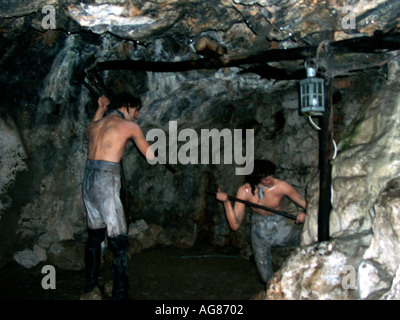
(386, 228)
(22, 7)
(373, 281)
(381, 261)
(142, 20)
(364, 218)
(320, 271)
(30, 258)
(26, 258)
(186, 237)
(67, 255)
(95, 294)
(47, 239)
(160, 235)
(283, 21)
(40, 253)
(147, 236)
(146, 239)
(137, 227)
(394, 292)
(145, 21)
(135, 246)
(51, 112)
(295, 19)
(152, 236)
(12, 158)
(64, 230)
(280, 255)
(365, 164)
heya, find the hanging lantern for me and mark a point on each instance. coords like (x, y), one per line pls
(312, 95)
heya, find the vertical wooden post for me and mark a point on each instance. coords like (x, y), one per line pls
(325, 153)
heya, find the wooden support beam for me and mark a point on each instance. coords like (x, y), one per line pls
(325, 167)
(207, 63)
(374, 44)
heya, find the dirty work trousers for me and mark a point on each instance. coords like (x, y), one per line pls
(105, 214)
(268, 232)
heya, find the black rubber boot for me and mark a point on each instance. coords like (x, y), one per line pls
(92, 257)
(119, 246)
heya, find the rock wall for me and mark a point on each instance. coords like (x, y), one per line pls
(44, 201)
(12, 158)
(46, 110)
(47, 148)
(361, 260)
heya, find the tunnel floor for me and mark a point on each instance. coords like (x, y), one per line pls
(162, 273)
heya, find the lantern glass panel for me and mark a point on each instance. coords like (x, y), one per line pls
(312, 96)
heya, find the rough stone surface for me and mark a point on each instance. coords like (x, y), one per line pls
(378, 271)
(67, 255)
(394, 292)
(26, 258)
(40, 253)
(366, 191)
(365, 164)
(46, 110)
(95, 294)
(151, 236)
(137, 227)
(320, 271)
(30, 258)
(12, 158)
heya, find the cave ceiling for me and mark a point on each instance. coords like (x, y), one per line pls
(237, 29)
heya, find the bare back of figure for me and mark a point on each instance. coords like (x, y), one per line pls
(109, 137)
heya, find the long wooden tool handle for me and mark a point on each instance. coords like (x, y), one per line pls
(92, 90)
(282, 213)
(170, 168)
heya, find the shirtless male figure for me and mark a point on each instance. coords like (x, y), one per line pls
(267, 229)
(108, 138)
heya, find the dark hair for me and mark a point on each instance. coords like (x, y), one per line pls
(262, 169)
(125, 100)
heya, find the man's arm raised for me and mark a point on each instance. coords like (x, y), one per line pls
(102, 102)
